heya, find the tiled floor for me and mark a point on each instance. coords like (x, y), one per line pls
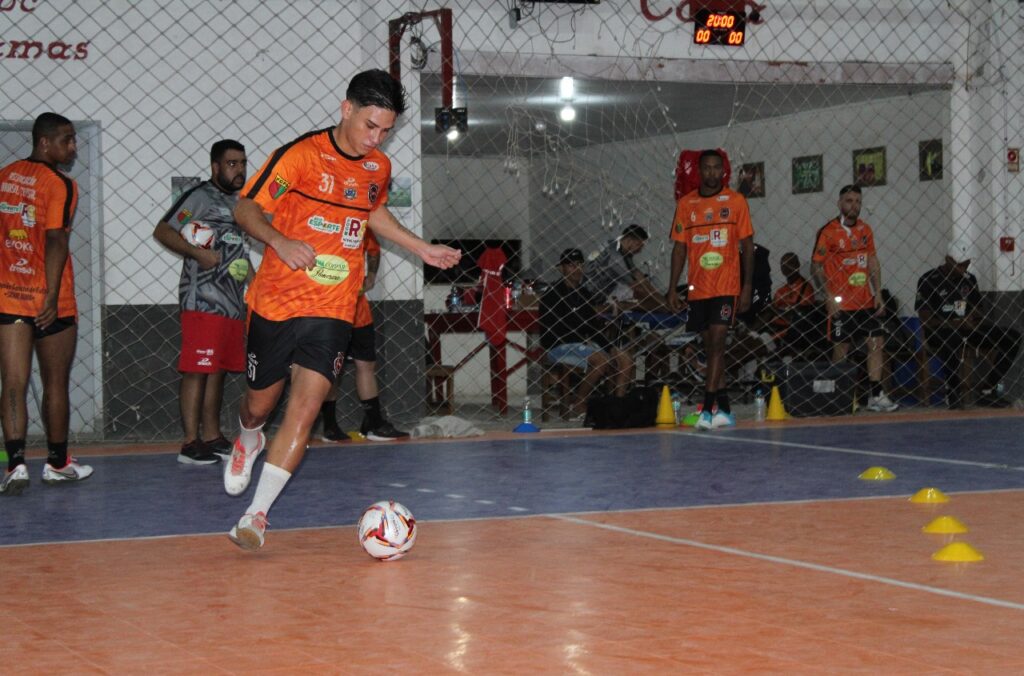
(755, 550)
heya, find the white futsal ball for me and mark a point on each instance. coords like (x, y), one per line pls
(197, 234)
(387, 530)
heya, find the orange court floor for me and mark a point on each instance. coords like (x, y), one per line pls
(754, 550)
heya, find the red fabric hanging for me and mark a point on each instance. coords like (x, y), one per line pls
(688, 171)
(493, 313)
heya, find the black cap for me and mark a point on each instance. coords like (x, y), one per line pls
(570, 256)
(636, 231)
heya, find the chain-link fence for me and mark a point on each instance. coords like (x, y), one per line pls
(577, 115)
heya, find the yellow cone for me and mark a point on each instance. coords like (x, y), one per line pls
(944, 524)
(958, 552)
(666, 416)
(876, 474)
(776, 409)
(929, 495)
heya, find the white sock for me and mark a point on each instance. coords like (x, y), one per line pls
(249, 437)
(272, 482)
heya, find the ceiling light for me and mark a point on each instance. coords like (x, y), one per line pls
(566, 88)
(453, 134)
(568, 114)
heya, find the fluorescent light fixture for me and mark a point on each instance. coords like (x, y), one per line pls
(453, 134)
(568, 114)
(567, 88)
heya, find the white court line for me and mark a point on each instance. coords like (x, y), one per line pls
(853, 451)
(796, 563)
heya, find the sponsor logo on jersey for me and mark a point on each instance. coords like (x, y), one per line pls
(231, 238)
(17, 233)
(849, 261)
(351, 182)
(278, 187)
(858, 279)
(329, 158)
(700, 239)
(712, 260)
(350, 193)
(8, 208)
(724, 212)
(709, 215)
(719, 237)
(22, 179)
(679, 227)
(723, 198)
(329, 270)
(320, 224)
(373, 193)
(352, 237)
(184, 216)
(22, 267)
(205, 361)
(28, 215)
(18, 243)
(207, 351)
(371, 166)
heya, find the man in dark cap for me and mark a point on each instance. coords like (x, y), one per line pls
(572, 333)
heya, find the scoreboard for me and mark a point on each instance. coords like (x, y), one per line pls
(719, 28)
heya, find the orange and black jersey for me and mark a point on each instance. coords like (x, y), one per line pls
(712, 228)
(34, 197)
(843, 253)
(316, 193)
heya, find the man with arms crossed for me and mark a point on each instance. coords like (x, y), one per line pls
(845, 265)
(37, 299)
(714, 240)
(211, 298)
(323, 190)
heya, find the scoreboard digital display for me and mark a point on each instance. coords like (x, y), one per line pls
(719, 28)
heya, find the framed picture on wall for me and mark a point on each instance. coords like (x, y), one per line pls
(750, 180)
(929, 160)
(807, 174)
(869, 166)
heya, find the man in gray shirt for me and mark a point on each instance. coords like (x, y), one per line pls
(201, 228)
(610, 272)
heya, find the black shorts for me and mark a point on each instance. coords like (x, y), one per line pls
(363, 344)
(850, 325)
(58, 325)
(315, 343)
(720, 310)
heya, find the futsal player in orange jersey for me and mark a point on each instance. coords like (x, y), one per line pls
(37, 299)
(322, 190)
(714, 240)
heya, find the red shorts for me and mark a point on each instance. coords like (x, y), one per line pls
(211, 343)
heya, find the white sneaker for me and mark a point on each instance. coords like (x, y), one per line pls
(69, 472)
(238, 468)
(722, 419)
(15, 481)
(882, 403)
(249, 532)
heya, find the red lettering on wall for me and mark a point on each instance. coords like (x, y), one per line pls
(691, 7)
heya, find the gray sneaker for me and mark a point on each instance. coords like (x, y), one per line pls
(15, 481)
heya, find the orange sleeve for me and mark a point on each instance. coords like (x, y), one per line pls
(678, 230)
(58, 204)
(820, 247)
(282, 170)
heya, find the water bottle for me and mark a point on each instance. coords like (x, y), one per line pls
(454, 300)
(760, 405)
(527, 413)
(677, 409)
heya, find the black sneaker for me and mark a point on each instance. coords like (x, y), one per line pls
(383, 432)
(196, 453)
(219, 446)
(334, 434)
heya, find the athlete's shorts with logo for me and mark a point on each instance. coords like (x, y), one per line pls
(211, 343)
(315, 343)
(58, 325)
(847, 325)
(703, 313)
